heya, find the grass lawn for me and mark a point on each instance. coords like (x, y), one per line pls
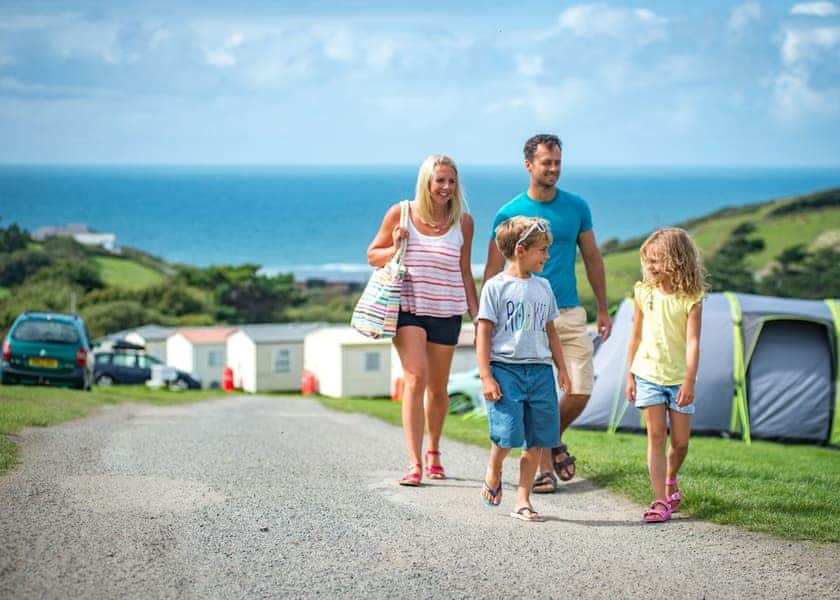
(789, 491)
(38, 406)
(126, 273)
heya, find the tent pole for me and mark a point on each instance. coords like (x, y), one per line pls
(835, 313)
(740, 412)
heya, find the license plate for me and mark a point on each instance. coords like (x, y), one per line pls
(49, 363)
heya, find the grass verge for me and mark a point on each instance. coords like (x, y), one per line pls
(788, 491)
(37, 406)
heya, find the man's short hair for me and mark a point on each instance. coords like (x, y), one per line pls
(546, 139)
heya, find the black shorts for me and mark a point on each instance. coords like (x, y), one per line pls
(439, 330)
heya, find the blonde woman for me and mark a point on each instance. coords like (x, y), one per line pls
(438, 289)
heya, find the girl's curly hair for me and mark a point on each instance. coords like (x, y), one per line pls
(680, 260)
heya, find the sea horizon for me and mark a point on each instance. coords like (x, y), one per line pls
(316, 221)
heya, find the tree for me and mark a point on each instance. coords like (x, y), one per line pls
(799, 274)
(13, 238)
(727, 268)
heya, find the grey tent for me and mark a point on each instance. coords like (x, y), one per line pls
(768, 369)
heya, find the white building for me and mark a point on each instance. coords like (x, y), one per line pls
(201, 351)
(347, 363)
(268, 357)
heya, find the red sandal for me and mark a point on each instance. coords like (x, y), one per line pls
(413, 477)
(434, 471)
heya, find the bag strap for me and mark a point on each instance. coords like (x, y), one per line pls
(403, 223)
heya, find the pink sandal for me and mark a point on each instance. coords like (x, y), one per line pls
(434, 471)
(676, 498)
(656, 515)
(412, 478)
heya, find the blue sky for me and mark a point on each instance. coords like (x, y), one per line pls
(205, 82)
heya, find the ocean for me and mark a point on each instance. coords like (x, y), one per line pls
(317, 222)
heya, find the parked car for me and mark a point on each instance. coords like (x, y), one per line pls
(131, 365)
(464, 390)
(49, 349)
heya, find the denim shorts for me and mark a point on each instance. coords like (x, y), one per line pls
(527, 413)
(651, 394)
(439, 330)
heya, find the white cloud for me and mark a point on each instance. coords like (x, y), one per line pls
(549, 104)
(814, 9)
(601, 20)
(794, 98)
(529, 66)
(224, 56)
(742, 16)
(803, 52)
(807, 45)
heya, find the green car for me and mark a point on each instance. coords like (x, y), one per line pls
(47, 349)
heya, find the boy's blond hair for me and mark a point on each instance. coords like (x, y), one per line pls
(509, 234)
(680, 259)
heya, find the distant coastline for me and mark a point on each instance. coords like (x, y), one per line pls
(317, 222)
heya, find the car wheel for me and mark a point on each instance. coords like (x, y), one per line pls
(179, 384)
(104, 380)
(460, 404)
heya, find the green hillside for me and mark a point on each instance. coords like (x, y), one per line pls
(780, 224)
(126, 273)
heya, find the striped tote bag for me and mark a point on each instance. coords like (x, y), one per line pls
(376, 311)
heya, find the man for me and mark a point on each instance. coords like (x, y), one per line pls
(571, 226)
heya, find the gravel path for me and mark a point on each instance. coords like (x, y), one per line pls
(258, 497)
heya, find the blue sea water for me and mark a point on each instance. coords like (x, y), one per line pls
(317, 222)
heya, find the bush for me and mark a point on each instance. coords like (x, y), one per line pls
(18, 265)
(82, 274)
(110, 317)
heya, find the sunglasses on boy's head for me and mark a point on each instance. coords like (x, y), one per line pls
(539, 225)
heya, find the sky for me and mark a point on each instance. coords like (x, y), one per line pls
(203, 82)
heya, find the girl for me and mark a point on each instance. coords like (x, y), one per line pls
(662, 357)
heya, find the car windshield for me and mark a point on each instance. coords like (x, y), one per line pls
(46, 332)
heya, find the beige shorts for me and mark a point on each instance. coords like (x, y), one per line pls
(577, 348)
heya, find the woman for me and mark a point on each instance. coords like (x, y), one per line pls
(438, 288)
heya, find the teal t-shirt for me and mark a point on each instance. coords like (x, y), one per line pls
(569, 216)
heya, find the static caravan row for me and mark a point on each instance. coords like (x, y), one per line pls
(273, 357)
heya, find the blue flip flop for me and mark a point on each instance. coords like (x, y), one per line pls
(493, 493)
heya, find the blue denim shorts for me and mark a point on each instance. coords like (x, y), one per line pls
(651, 394)
(527, 413)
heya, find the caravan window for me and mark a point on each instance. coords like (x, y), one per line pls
(282, 361)
(372, 361)
(215, 358)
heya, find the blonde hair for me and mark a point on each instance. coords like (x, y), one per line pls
(509, 234)
(457, 204)
(679, 258)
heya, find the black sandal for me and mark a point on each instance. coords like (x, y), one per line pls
(562, 467)
(544, 483)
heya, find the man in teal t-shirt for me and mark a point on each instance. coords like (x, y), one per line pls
(571, 226)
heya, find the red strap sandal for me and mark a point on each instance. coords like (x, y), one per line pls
(434, 471)
(413, 477)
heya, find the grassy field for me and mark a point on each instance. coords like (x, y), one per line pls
(789, 491)
(126, 273)
(36, 406)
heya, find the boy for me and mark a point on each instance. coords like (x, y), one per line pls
(516, 345)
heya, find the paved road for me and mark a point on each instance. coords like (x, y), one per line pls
(257, 497)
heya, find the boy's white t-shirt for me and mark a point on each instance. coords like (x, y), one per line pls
(519, 310)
